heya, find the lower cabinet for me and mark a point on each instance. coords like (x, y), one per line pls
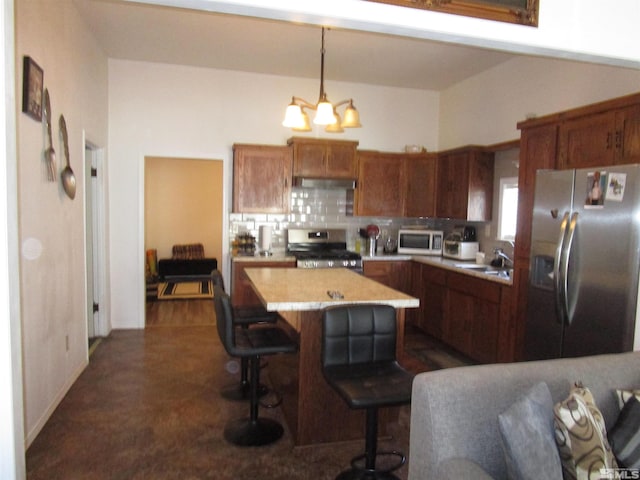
(242, 293)
(392, 273)
(429, 284)
(470, 314)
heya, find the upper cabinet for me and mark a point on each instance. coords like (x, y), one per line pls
(395, 184)
(602, 138)
(261, 178)
(420, 181)
(465, 184)
(320, 158)
(380, 182)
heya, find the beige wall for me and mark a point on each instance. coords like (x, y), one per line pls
(52, 226)
(183, 204)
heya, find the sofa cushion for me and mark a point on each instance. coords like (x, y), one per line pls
(581, 436)
(623, 395)
(192, 251)
(625, 435)
(526, 428)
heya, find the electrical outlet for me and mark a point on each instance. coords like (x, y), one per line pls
(66, 341)
(487, 231)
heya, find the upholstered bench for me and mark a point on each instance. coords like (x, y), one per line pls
(186, 262)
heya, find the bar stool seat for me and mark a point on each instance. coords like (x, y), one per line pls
(359, 363)
(244, 317)
(252, 344)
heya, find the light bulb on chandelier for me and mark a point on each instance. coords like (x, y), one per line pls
(326, 113)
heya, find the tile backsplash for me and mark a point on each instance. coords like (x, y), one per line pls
(323, 209)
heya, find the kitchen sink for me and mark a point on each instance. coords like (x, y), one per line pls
(486, 269)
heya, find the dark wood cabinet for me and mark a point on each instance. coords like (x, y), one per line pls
(599, 139)
(465, 184)
(628, 135)
(392, 273)
(242, 293)
(380, 185)
(538, 150)
(470, 314)
(261, 178)
(420, 185)
(588, 141)
(323, 158)
(395, 184)
(429, 285)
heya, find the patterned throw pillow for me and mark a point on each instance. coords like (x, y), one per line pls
(581, 436)
(623, 396)
(625, 435)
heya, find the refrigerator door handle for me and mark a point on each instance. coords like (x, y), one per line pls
(565, 265)
(559, 279)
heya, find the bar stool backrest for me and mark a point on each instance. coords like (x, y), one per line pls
(224, 320)
(358, 334)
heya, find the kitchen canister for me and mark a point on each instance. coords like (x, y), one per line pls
(265, 240)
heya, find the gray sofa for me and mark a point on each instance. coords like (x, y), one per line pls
(454, 412)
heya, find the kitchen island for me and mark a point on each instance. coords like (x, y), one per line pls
(313, 410)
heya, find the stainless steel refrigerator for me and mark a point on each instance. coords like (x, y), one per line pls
(585, 257)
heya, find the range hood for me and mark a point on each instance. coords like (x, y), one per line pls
(325, 183)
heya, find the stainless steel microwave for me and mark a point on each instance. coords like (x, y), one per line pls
(420, 242)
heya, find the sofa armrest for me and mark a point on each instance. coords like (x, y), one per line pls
(459, 468)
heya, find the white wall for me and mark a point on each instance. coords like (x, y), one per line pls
(172, 111)
(486, 108)
(52, 262)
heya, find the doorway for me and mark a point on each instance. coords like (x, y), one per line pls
(183, 204)
(94, 243)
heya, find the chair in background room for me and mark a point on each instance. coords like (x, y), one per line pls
(359, 362)
(244, 317)
(252, 344)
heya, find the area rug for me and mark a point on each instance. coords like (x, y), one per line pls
(437, 359)
(183, 290)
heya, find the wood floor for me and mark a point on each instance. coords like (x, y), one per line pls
(165, 313)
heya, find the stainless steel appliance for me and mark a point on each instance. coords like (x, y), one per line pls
(420, 241)
(585, 257)
(322, 248)
(459, 249)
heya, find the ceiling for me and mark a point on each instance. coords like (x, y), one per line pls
(151, 33)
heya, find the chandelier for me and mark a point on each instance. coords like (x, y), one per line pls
(326, 113)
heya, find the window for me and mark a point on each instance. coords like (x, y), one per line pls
(508, 209)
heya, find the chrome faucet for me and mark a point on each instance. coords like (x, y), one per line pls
(506, 260)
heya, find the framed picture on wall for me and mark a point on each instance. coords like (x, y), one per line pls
(32, 86)
(523, 12)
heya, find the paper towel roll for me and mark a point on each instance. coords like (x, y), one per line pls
(265, 237)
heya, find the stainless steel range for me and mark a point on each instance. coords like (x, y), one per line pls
(322, 248)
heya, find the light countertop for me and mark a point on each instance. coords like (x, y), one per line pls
(300, 289)
(436, 261)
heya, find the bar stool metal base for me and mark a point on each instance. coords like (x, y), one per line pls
(357, 473)
(240, 392)
(363, 475)
(245, 432)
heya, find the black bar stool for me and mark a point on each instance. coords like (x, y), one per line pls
(244, 317)
(359, 362)
(252, 344)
